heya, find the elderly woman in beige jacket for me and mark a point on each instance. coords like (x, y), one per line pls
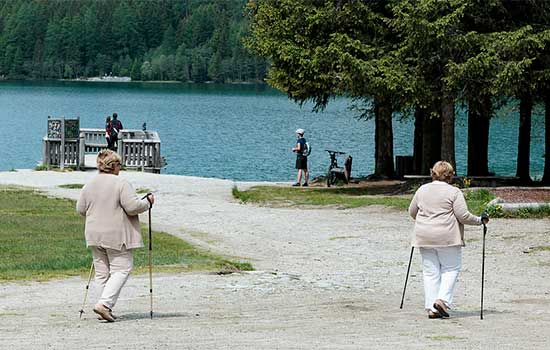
(440, 213)
(111, 207)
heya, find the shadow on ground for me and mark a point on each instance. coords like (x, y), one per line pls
(146, 316)
(475, 313)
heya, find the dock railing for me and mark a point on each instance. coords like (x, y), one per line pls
(138, 149)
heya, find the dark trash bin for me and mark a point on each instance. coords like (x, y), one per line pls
(403, 166)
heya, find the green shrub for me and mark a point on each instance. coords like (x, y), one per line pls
(494, 211)
(538, 212)
(477, 200)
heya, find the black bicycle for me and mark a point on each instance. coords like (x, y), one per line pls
(336, 172)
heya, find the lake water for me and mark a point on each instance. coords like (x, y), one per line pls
(241, 132)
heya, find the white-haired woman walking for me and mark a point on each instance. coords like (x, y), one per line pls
(111, 207)
(440, 213)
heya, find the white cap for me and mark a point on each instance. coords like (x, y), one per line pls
(300, 131)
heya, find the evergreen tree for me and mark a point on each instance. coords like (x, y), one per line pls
(135, 73)
(39, 38)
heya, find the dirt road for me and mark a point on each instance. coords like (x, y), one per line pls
(325, 279)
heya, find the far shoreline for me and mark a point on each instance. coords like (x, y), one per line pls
(175, 82)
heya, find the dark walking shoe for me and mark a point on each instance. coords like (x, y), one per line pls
(440, 306)
(111, 312)
(104, 312)
(113, 315)
(297, 184)
(432, 315)
(305, 184)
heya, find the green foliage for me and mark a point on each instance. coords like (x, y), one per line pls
(479, 195)
(321, 49)
(41, 167)
(54, 39)
(416, 51)
(494, 211)
(43, 238)
(542, 211)
(477, 200)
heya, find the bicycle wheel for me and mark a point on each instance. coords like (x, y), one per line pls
(331, 178)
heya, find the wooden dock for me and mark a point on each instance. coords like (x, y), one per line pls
(138, 149)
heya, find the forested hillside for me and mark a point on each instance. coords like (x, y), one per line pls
(185, 40)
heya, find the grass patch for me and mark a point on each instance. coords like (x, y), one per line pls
(342, 237)
(540, 248)
(347, 197)
(11, 314)
(72, 186)
(66, 169)
(511, 237)
(143, 190)
(43, 238)
(351, 197)
(443, 337)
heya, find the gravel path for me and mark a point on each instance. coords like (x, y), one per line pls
(325, 279)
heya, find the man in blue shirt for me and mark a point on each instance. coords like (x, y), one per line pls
(301, 159)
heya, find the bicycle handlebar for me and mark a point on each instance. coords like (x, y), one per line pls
(335, 152)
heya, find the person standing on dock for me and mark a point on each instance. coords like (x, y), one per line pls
(115, 130)
(301, 158)
(108, 130)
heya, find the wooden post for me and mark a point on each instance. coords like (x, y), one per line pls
(48, 154)
(120, 151)
(143, 155)
(81, 151)
(62, 151)
(44, 154)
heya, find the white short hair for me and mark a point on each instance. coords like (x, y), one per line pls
(442, 171)
(106, 161)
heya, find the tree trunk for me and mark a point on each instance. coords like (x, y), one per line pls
(431, 142)
(419, 116)
(546, 176)
(479, 116)
(524, 138)
(383, 138)
(448, 130)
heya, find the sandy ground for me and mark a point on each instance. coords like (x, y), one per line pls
(325, 279)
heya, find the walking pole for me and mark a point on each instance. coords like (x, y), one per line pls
(407, 278)
(482, 270)
(87, 287)
(150, 258)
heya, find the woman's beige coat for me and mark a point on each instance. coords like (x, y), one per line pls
(111, 207)
(440, 212)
